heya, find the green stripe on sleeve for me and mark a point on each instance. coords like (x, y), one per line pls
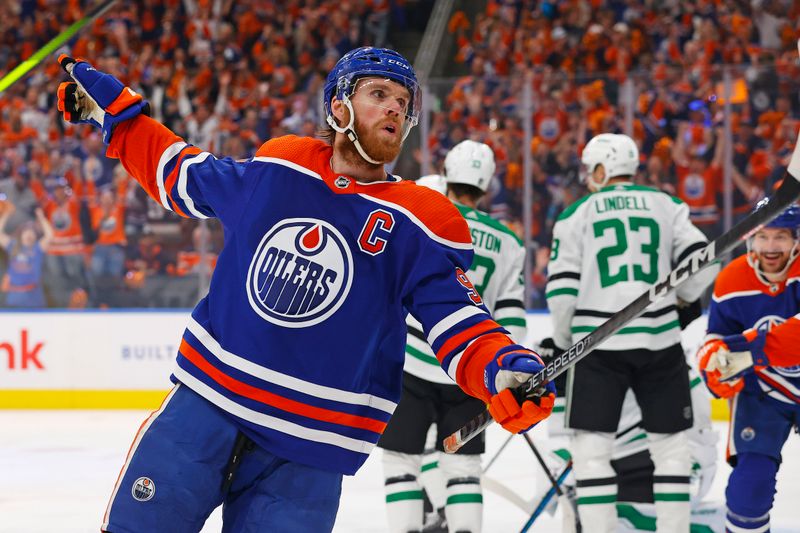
(652, 330)
(425, 358)
(519, 322)
(559, 292)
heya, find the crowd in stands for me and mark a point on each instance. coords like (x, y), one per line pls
(579, 56)
(226, 75)
(229, 74)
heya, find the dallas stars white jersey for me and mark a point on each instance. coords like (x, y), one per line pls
(496, 272)
(608, 248)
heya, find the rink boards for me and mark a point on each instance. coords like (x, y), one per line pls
(123, 359)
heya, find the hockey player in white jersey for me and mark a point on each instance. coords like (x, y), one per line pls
(608, 248)
(429, 395)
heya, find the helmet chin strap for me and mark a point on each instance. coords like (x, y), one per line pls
(350, 131)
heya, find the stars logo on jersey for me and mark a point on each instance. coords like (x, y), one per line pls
(143, 489)
(300, 273)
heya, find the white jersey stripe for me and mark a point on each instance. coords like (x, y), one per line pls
(738, 294)
(166, 157)
(454, 362)
(781, 380)
(289, 164)
(284, 380)
(729, 526)
(182, 182)
(271, 422)
(451, 320)
(136, 440)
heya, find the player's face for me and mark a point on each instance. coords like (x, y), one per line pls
(773, 247)
(380, 108)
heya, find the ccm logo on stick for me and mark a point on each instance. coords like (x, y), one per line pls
(688, 268)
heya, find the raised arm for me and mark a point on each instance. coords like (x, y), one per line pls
(5, 238)
(180, 177)
(47, 229)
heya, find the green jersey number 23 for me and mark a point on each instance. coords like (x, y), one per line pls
(646, 268)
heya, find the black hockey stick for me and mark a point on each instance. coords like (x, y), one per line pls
(786, 194)
(555, 484)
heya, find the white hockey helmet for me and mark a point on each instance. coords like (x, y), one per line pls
(433, 181)
(616, 152)
(471, 163)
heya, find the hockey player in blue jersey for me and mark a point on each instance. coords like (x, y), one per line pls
(291, 365)
(751, 356)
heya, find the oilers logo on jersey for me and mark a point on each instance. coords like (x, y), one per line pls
(300, 273)
(767, 323)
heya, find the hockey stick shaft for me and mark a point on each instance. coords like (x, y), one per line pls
(546, 498)
(786, 194)
(56, 42)
(540, 459)
(496, 455)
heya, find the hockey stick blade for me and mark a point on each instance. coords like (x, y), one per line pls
(787, 193)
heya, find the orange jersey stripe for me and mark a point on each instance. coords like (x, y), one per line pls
(274, 400)
(460, 338)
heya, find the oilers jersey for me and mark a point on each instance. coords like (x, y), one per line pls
(300, 337)
(609, 248)
(496, 272)
(742, 301)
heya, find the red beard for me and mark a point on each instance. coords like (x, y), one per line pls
(377, 146)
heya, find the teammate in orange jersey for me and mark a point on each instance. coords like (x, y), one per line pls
(291, 365)
(751, 356)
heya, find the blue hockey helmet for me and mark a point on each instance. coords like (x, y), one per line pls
(368, 62)
(789, 219)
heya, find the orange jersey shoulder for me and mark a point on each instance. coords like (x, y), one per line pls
(737, 276)
(432, 209)
(307, 152)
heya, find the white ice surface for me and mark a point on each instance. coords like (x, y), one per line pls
(57, 469)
